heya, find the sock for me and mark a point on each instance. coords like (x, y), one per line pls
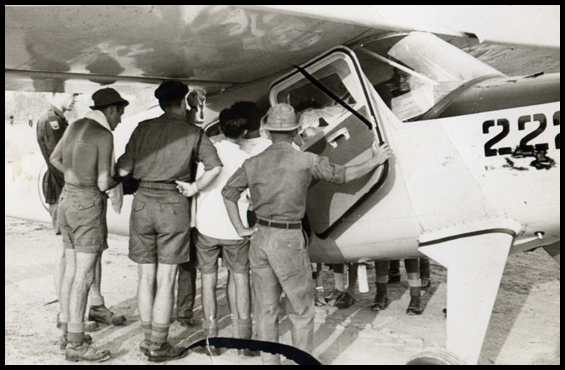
(244, 328)
(75, 332)
(96, 301)
(382, 288)
(339, 281)
(159, 333)
(146, 328)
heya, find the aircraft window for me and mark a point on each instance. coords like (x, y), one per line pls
(314, 108)
(431, 69)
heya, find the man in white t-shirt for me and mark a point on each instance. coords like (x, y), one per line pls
(252, 142)
(216, 233)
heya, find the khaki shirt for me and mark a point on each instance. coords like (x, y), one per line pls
(50, 129)
(160, 149)
(278, 180)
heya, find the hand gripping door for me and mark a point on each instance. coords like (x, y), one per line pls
(331, 130)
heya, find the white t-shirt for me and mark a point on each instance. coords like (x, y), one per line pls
(255, 146)
(211, 215)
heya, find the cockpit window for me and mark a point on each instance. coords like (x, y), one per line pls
(314, 108)
(418, 71)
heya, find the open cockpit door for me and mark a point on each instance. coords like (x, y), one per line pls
(331, 130)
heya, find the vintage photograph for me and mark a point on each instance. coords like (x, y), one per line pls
(282, 184)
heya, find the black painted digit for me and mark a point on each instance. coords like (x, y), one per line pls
(532, 135)
(489, 151)
(557, 122)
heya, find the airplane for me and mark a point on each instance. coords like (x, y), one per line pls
(476, 168)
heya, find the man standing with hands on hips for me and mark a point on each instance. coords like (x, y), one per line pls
(278, 181)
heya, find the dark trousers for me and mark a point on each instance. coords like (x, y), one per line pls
(186, 283)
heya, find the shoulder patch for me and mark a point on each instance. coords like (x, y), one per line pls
(54, 124)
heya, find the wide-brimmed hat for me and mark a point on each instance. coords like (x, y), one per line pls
(281, 117)
(107, 96)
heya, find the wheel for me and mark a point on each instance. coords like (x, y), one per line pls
(435, 356)
(40, 179)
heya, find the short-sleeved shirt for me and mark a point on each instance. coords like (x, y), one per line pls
(160, 150)
(50, 129)
(211, 215)
(278, 180)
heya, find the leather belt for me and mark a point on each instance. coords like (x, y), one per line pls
(158, 185)
(280, 224)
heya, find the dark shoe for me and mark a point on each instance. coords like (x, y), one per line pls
(165, 352)
(415, 306)
(105, 316)
(186, 321)
(380, 303)
(333, 296)
(64, 341)
(345, 300)
(84, 352)
(144, 346)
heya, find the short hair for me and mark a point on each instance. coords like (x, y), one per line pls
(248, 111)
(231, 125)
(170, 103)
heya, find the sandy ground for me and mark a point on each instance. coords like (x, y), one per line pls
(524, 329)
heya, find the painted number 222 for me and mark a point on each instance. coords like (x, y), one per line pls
(540, 118)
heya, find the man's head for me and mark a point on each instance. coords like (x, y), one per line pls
(281, 122)
(172, 96)
(109, 102)
(250, 112)
(232, 125)
(402, 80)
(64, 101)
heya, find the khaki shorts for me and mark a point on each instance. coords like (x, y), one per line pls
(159, 227)
(234, 253)
(81, 215)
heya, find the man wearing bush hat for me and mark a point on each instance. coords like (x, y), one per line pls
(85, 156)
(159, 153)
(280, 177)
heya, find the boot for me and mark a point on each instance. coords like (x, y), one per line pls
(105, 316)
(380, 303)
(158, 352)
(415, 306)
(144, 346)
(84, 352)
(381, 298)
(64, 341)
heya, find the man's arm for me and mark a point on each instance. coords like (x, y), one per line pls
(190, 189)
(233, 213)
(105, 149)
(56, 158)
(380, 156)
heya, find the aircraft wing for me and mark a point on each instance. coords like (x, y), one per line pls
(80, 48)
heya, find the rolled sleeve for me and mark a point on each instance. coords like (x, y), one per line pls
(208, 155)
(323, 169)
(126, 161)
(236, 185)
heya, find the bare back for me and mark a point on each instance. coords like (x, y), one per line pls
(87, 154)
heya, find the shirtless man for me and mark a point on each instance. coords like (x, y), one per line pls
(84, 155)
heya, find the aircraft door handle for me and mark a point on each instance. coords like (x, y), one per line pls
(332, 140)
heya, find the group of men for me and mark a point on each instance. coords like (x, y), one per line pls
(240, 175)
